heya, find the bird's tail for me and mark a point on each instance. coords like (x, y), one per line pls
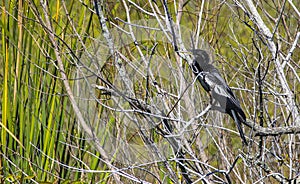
(242, 135)
(238, 121)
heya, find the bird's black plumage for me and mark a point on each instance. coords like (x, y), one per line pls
(222, 97)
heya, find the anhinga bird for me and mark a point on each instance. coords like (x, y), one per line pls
(222, 98)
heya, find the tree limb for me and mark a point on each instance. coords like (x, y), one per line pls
(274, 131)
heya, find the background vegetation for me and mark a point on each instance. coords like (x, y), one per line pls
(102, 91)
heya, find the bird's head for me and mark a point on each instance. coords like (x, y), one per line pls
(201, 60)
(201, 56)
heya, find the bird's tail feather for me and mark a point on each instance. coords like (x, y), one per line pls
(242, 135)
(238, 120)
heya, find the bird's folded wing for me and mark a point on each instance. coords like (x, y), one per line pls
(219, 87)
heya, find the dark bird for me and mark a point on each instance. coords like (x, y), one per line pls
(222, 98)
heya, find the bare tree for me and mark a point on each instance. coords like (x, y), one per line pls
(154, 93)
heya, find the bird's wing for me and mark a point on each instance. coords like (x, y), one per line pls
(221, 90)
(212, 81)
